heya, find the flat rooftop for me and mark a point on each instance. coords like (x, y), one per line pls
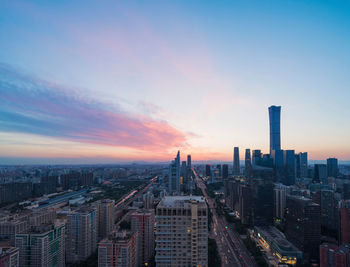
(179, 201)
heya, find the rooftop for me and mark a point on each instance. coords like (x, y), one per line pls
(179, 201)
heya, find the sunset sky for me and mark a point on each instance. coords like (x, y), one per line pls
(111, 81)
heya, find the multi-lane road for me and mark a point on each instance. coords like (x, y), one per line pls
(231, 248)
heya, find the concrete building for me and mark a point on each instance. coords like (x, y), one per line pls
(303, 226)
(42, 246)
(82, 228)
(142, 222)
(119, 249)
(148, 199)
(280, 197)
(333, 256)
(275, 127)
(182, 232)
(345, 221)
(105, 215)
(9, 256)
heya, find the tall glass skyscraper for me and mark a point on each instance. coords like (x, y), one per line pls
(275, 127)
(236, 165)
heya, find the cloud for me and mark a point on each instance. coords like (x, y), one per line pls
(33, 106)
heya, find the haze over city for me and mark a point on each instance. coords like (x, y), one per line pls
(82, 82)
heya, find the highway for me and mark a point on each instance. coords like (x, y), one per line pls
(231, 248)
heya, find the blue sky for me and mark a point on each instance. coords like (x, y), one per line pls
(201, 73)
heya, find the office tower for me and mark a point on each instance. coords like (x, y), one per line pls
(263, 203)
(346, 190)
(328, 209)
(280, 196)
(105, 217)
(174, 175)
(301, 165)
(256, 155)
(142, 222)
(9, 256)
(148, 199)
(332, 167)
(345, 221)
(236, 165)
(278, 164)
(289, 167)
(333, 256)
(245, 203)
(218, 171)
(182, 231)
(275, 128)
(320, 174)
(207, 170)
(248, 161)
(303, 227)
(42, 246)
(189, 163)
(224, 171)
(118, 250)
(183, 173)
(82, 230)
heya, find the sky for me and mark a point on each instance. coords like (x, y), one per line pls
(117, 81)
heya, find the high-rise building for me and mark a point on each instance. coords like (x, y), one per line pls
(332, 167)
(236, 165)
(142, 222)
(280, 196)
(275, 128)
(182, 231)
(303, 226)
(174, 175)
(82, 230)
(248, 161)
(9, 256)
(207, 171)
(345, 221)
(289, 167)
(183, 173)
(328, 209)
(320, 174)
(224, 171)
(256, 155)
(245, 202)
(148, 199)
(189, 162)
(105, 217)
(301, 165)
(118, 250)
(278, 164)
(42, 246)
(333, 256)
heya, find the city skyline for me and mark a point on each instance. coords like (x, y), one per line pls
(83, 83)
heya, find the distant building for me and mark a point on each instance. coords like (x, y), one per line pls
(320, 174)
(142, 222)
(256, 155)
(207, 171)
(275, 127)
(303, 226)
(328, 209)
(278, 164)
(332, 167)
(82, 232)
(182, 231)
(345, 221)
(119, 249)
(42, 246)
(148, 199)
(245, 203)
(174, 175)
(224, 171)
(9, 257)
(301, 165)
(289, 167)
(247, 161)
(236, 165)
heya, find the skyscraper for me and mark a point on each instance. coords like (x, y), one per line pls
(332, 167)
(207, 171)
(182, 231)
(236, 166)
(320, 174)
(105, 215)
(289, 167)
(275, 127)
(189, 162)
(174, 175)
(224, 171)
(248, 160)
(280, 196)
(142, 222)
(301, 165)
